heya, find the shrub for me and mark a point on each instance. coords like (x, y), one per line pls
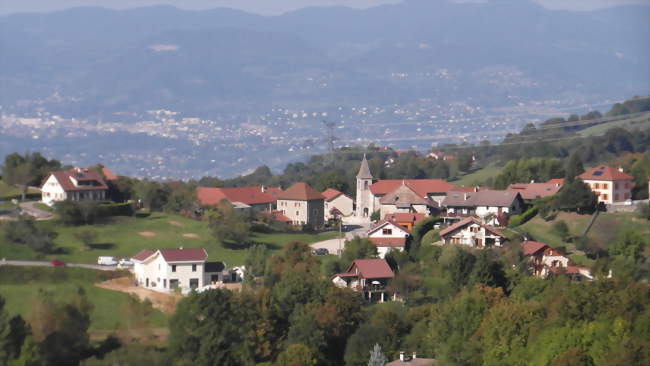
(644, 210)
(518, 220)
(430, 237)
(115, 209)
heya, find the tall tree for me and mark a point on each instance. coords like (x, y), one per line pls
(377, 357)
(573, 168)
(228, 226)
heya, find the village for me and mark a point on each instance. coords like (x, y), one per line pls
(473, 217)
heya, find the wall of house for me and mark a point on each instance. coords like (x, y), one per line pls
(395, 232)
(343, 203)
(465, 236)
(160, 274)
(52, 191)
(295, 210)
(611, 191)
(382, 251)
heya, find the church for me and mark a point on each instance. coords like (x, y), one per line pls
(391, 196)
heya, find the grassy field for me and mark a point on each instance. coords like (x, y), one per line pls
(641, 122)
(478, 177)
(19, 286)
(126, 236)
(8, 192)
(605, 230)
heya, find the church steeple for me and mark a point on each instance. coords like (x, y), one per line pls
(364, 170)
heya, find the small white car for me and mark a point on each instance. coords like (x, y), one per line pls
(106, 261)
(125, 263)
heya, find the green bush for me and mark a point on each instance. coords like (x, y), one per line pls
(430, 237)
(518, 220)
(115, 209)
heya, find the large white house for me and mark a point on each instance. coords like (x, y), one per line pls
(75, 185)
(165, 270)
(472, 232)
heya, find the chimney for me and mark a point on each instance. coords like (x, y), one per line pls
(476, 188)
(415, 355)
(620, 169)
(263, 189)
(181, 248)
(532, 180)
(465, 196)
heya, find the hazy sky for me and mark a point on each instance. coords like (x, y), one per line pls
(263, 6)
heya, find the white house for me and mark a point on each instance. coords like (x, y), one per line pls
(486, 204)
(472, 232)
(165, 270)
(542, 258)
(388, 236)
(75, 185)
(367, 276)
(337, 204)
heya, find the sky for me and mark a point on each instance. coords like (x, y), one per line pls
(266, 7)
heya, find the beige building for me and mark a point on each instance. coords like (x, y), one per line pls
(404, 199)
(75, 185)
(609, 184)
(303, 205)
(337, 204)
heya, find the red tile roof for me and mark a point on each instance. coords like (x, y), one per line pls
(300, 192)
(331, 193)
(108, 174)
(531, 247)
(389, 242)
(531, 191)
(254, 195)
(559, 181)
(65, 179)
(606, 173)
(464, 189)
(371, 268)
(278, 216)
(385, 222)
(422, 187)
(143, 255)
(468, 221)
(405, 217)
(184, 255)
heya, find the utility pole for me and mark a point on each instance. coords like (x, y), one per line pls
(330, 138)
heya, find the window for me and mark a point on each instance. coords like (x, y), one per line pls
(627, 195)
(605, 197)
(164, 283)
(627, 185)
(173, 268)
(616, 197)
(297, 213)
(596, 185)
(387, 231)
(604, 185)
(615, 185)
(193, 267)
(365, 185)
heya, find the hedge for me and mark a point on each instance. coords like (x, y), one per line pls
(517, 220)
(115, 209)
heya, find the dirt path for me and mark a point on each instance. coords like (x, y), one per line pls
(161, 301)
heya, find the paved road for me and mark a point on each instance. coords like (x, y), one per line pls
(349, 231)
(29, 209)
(47, 264)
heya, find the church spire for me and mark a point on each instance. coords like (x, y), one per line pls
(364, 170)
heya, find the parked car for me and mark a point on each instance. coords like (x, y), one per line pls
(125, 263)
(106, 261)
(57, 263)
(320, 251)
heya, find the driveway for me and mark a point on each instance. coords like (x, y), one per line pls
(4, 262)
(29, 209)
(350, 230)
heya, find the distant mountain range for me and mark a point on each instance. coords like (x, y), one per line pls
(85, 62)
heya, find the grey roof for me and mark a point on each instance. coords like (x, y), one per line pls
(212, 267)
(364, 170)
(404, 197)
(490, 198)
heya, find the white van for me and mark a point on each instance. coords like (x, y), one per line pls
(106, 261)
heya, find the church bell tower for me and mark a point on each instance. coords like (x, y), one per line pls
(364, 198)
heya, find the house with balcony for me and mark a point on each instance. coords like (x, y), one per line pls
(79, 184)
(471, 232)
(542, 258)
(492, 206)
(369, 277)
